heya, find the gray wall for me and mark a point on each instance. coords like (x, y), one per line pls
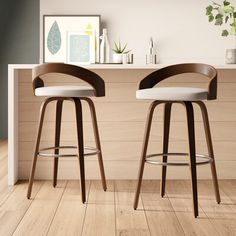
(19, 44)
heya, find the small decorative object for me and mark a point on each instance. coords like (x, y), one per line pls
(71, 38)
(128, 58)
(119, 51)
(224, 14)
(104, 48)
(230, 56)
(151, 58)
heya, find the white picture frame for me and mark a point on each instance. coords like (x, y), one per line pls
(55, 35)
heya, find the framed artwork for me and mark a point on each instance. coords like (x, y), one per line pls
(80, 48)
(72, 39)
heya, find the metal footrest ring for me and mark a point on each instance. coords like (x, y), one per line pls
(200, 159)
(42, 153)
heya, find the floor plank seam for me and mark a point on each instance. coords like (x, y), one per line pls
(59, 202)
(82, 228)
(175, 214)
(11, 192)
(214, 219)
(115, 207)
(212, 222)
(27, 209)
(145, 214)
(222, 190)
(211, 219)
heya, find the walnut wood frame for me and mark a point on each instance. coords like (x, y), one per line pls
(208, 71)
(150, 81)
(78, 72)
(99, 86)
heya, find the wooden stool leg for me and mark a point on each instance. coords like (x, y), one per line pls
(57, 139)
(144, 151)
(80, 140)
(34, 161)
(167, 114)
(97, 140)
(192, 153)
(210, 149)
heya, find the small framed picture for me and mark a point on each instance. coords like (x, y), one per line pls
(80, 48)
(71, 38)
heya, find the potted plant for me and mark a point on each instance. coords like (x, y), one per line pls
(119, 50)
(224, 14)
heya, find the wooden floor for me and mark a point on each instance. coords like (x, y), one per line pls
(59, 211)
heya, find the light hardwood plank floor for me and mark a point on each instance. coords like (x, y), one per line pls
(59, 211)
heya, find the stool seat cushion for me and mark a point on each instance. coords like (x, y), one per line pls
(65, 91)
(172, 94)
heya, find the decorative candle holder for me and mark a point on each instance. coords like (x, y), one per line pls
(128, 58)
(230, 56)
(151, 59)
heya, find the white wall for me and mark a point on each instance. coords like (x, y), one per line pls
(179, 27)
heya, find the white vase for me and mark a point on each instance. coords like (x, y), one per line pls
(117, 57)
(104, 48)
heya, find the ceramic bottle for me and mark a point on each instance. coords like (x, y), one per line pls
(104, 48)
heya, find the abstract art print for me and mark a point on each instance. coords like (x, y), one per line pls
(71, 39)
(80, 48)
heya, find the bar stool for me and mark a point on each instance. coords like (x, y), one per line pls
(184, 96)
(74, 94)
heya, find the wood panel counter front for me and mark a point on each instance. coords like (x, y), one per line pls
(121, 120)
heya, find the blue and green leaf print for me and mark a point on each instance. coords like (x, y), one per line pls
(54, 39)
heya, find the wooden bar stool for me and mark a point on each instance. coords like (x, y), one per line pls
(74, 94)
(185, 96)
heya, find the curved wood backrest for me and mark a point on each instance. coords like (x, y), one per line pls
(79, 72)
(157, 76)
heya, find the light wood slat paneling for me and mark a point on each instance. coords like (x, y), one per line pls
(133, 76)
(128, 221)
(15, 207)
(69, 217)
(121, 170)
(100, 210)
(179, 194)
(124, 76)
(123, 131)
(125, 151)
(38, 218)
(218, 111)
(159, 211)
(122, 118)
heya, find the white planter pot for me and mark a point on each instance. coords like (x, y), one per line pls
(117, 57)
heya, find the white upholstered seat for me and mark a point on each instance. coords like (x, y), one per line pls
(65, 91)
(172, 94)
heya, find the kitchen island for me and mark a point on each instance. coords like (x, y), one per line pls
(121, 121)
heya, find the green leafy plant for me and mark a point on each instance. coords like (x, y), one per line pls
(223, 14)
(119, 49)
